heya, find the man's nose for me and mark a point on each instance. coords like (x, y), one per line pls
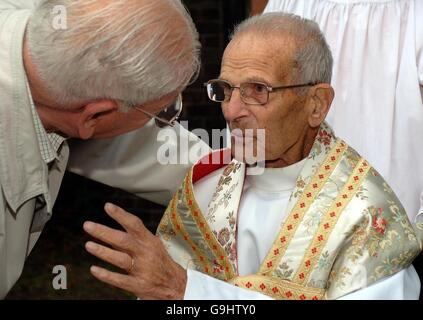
(235, 107)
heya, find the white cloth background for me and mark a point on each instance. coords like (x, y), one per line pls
(378, 76)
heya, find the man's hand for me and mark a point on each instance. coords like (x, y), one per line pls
(151, 272)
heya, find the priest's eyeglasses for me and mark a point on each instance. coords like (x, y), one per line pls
(169, 115)
(251, 92)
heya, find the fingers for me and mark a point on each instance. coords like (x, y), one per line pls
(115, 238)
(115, 279)
(117, 258)
(131, 223)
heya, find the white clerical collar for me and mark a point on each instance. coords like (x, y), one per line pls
(276, 179)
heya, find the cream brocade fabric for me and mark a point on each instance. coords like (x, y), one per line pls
(345, 229)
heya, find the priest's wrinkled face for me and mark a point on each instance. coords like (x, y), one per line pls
(286, 114)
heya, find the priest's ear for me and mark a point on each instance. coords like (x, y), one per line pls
(320, 100)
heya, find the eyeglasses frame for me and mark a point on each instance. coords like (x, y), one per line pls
(269, 89)
(160, 121)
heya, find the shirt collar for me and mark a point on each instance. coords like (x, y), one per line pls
(49, 143)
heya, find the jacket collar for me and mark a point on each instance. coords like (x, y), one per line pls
(23, 173)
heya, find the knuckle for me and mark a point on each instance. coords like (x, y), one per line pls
(124, 240)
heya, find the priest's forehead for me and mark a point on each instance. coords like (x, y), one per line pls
(251, 52)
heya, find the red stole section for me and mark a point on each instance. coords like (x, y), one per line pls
(211, 162)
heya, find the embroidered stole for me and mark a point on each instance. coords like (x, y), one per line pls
(299, 262)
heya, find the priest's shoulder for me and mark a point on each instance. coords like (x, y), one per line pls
(376, 190)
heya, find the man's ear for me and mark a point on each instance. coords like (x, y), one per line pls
(321, 97)
(92, 113)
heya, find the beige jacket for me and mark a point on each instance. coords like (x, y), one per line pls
(128, 162)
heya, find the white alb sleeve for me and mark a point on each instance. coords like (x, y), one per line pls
(203, 287)
(404, 285)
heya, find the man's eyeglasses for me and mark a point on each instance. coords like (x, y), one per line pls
(251, 92)
(169, 115)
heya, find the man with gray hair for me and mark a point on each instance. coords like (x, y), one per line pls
(87, 69)
(319, 223)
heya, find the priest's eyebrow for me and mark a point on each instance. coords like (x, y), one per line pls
(250, 79)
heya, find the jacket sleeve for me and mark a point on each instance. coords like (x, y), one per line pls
(149, 162)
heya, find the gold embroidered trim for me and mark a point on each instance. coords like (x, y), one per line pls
(329, 221)
(208, 236)
(278, 288)
(303, 204)
(178, 226)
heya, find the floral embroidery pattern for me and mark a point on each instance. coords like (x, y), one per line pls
(222, 209)
(358, 241)
(361, 193)
(284, 271)
(312, 221)
(337, 278)
(387, 188)
(379, 223)
(377, 229)
(226, 197)
(222, 182)
(223, 201)
(231, 219)
(318, 283)
(316, 151)
(399, 217)
(324, 137)
(300, 185)
(391, 266)
(223, 236)
(230, 249)
(225, 180)
(324, 262)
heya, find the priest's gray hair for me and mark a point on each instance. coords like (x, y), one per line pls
(126, 50)
(312, 57)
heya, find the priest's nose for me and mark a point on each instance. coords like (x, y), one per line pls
(235, 108)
